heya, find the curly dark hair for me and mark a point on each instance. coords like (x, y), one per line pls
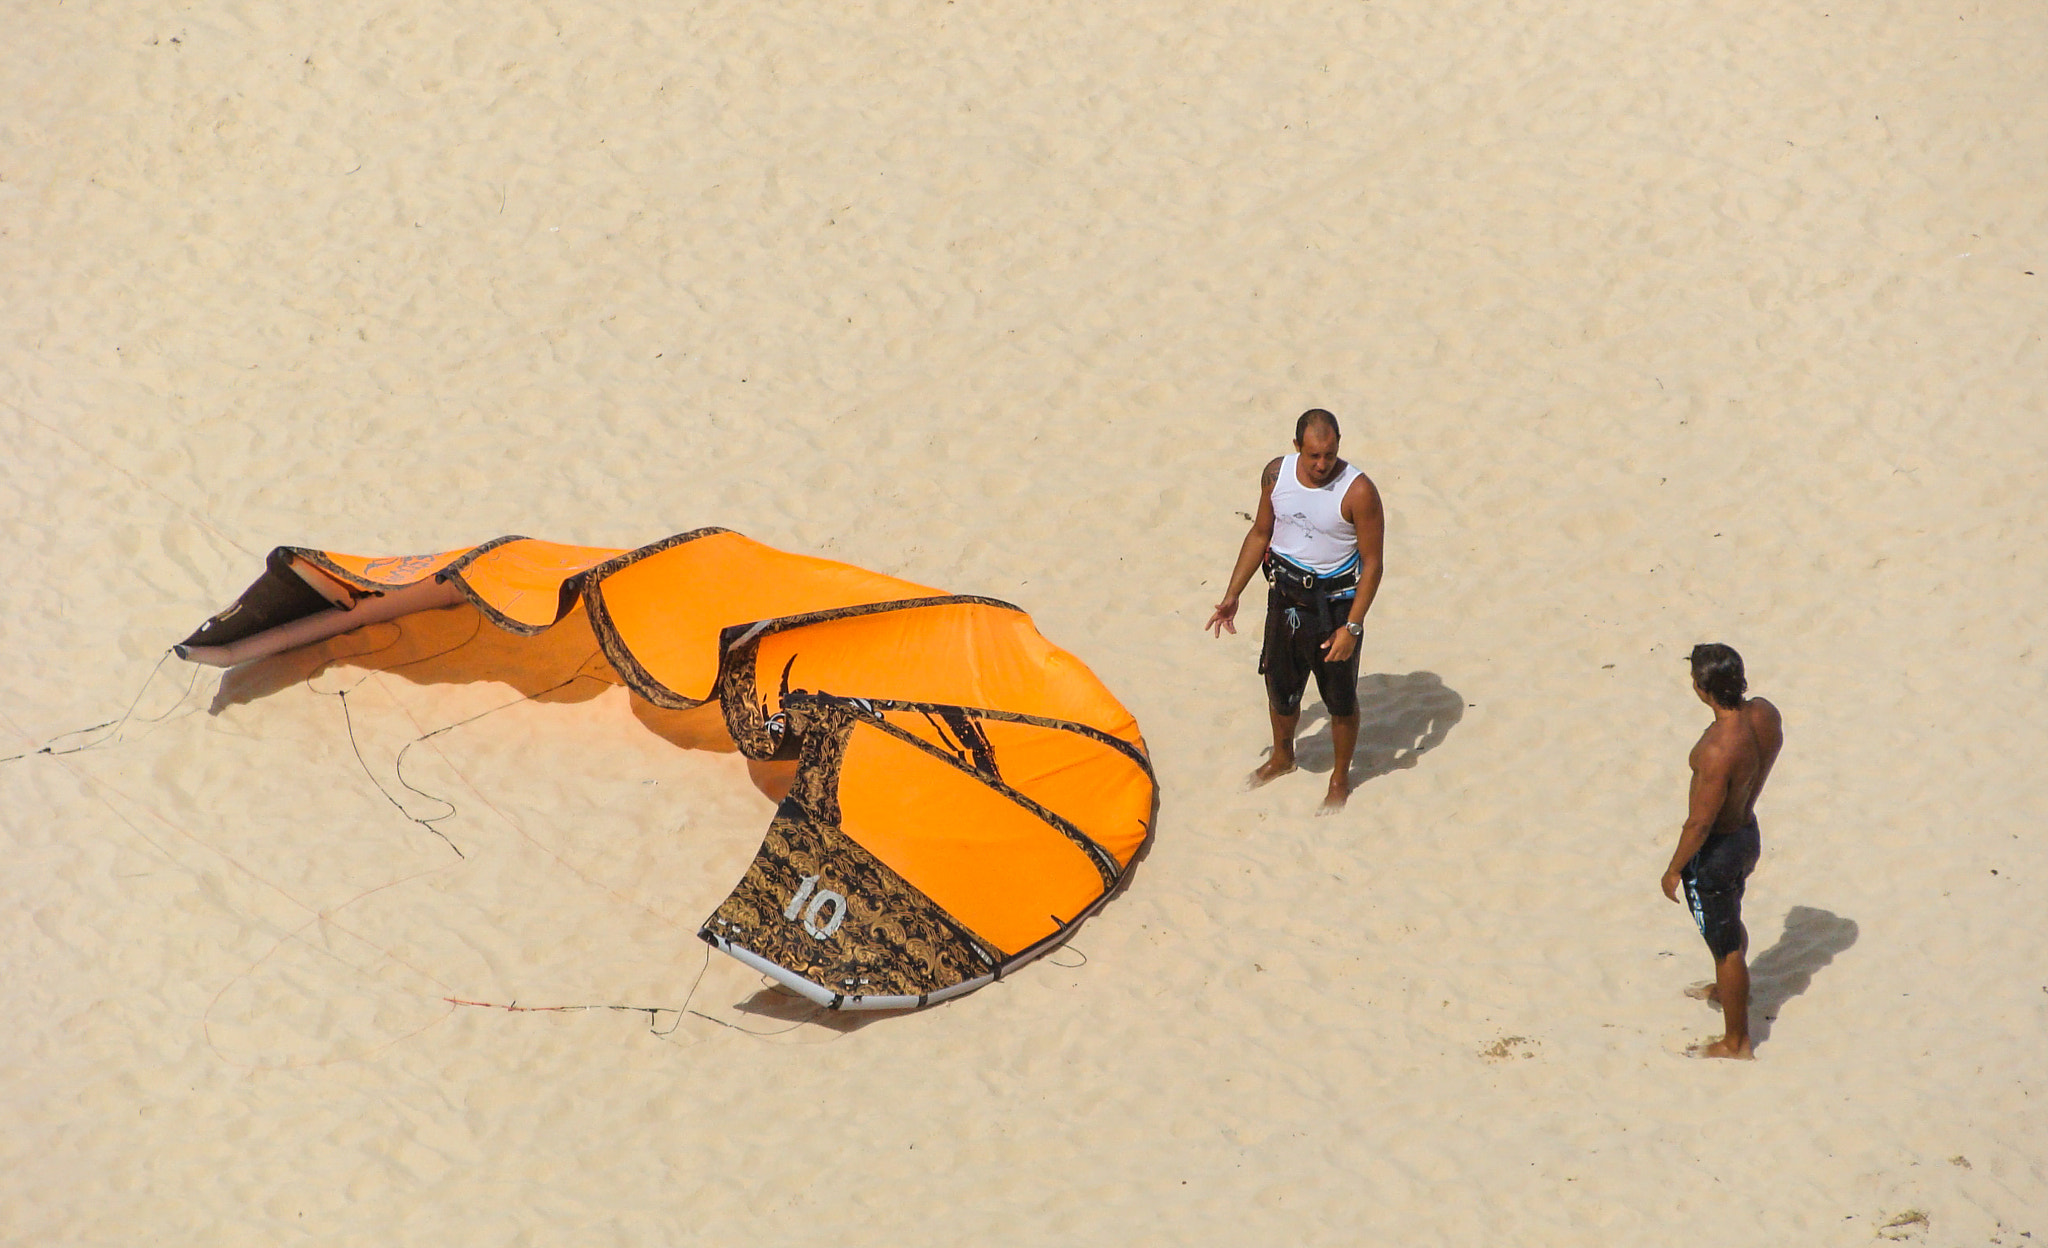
(1718, 670)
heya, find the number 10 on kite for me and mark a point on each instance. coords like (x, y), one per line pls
(825, 897)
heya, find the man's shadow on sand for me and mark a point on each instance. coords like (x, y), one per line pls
(1810, 941)
(1400, 718)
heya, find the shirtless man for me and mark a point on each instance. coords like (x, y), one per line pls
(1719, 845)
(1319, 532)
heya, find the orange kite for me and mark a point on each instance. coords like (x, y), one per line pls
(965, 791)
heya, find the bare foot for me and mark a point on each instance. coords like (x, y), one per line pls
(1706, 990)
(1723, 1048)
(1269, 771)
(1334, 800)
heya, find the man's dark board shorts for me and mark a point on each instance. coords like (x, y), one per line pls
(1714, 881)
(1293, 650)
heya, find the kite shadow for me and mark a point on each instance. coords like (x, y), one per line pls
(448, 646)
(1811, 939)
(1400, 718)
(778, 1004)
(457, 646)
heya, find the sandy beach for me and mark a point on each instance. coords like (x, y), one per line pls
(1655, 323)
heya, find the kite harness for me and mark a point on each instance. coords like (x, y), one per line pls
(1301, 587)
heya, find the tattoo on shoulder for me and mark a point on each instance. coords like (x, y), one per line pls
(1271, 474)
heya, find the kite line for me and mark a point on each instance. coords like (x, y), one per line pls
(113, 736)
(653, 1012)
(111, 732)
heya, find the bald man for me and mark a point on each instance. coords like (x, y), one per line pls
(1319, 535)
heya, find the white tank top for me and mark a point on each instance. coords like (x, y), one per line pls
(1309, 527)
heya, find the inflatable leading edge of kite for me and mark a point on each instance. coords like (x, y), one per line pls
(965, 791)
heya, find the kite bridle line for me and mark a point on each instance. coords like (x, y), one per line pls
(653, 1012)
(115, 725)
(318, 915)
(398, 765)
(98, 788)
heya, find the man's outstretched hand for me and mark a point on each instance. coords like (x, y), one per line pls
(1224, 618)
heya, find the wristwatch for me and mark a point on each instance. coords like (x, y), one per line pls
(1355, 627)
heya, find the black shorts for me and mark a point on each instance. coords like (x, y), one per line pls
(1714, 881)
(1294, 648)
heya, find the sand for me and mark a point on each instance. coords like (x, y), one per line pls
(1655, 324)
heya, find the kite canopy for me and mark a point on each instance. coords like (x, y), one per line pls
(965, 790)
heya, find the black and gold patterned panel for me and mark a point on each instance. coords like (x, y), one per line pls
(814, 902)
(749, 717)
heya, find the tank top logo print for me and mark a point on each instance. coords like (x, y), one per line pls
(1309, 527)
